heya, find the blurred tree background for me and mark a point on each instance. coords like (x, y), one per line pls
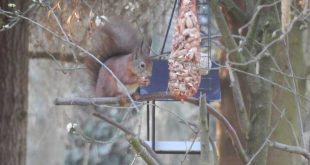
(37, 66)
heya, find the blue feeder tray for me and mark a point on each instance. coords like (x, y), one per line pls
(210, 84)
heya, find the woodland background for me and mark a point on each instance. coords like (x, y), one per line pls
(51, 70)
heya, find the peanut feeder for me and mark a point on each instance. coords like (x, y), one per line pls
(184, 76)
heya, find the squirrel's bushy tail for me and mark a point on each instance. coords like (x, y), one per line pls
(115, 37)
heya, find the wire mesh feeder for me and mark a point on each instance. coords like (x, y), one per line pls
(209, 84)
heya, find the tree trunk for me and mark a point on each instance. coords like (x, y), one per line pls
(286, 101)
(13, 91)
(262, 95)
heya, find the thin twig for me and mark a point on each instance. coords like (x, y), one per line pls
(147, 155)
(294, 88)
(189, 148)
(113, 123)
(289, 148)
(266, 141)
(278, 39)
(273, 83)
(115, 100)
(229, 41)
(288, 122)
(80, 48)
(253, 18)
(234, 137)
(232, 133)
(205, 151)
(235, 10)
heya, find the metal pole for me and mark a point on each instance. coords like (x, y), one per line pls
(148, 120)
(153, 125)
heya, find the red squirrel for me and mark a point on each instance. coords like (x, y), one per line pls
(117, 44)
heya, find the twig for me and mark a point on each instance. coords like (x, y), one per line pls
(147, 155)
(256, 14)
(80, 48)
(243, 119)
(232, 133)
(253, 29)
(13, 21)
(86, 101)
(229, 41)
(189, 148)
(113, 123)
(294, 88)
(278, 39)
(205, 153)
(288, 122)
(235, 10)
(273, 83)
(192, 127)
(115, 100)
(140, 150)
(290, 149)
(266, 141)
(242, 114)
(134, 159)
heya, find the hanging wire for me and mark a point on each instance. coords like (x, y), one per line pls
(168, 28)
(151, 129)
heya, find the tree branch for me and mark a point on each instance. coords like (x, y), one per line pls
(116, 100)
(232, 133)
(232, 46)
(253, 29)
(205, 153)
(140, 150)
(232, 7)
(229, 42)
(242, 115)
(290, 149)
(147, 155)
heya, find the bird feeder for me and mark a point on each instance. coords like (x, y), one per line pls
(180, 74)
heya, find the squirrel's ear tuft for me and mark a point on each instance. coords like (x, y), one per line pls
(145, 48)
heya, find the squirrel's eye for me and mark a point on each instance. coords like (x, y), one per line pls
(142, 65)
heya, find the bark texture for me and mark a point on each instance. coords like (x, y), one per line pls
(13, 91)
(264, 101)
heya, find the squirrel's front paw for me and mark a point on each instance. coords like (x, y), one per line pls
(144, 81)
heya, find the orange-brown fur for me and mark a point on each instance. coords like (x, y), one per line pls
(118, 46)
(227, 153)
(122, 67)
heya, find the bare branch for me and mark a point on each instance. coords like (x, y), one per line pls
(256, 14)
(113, 123)
(80, 48)
(253, 29)
(147, 155)
(205, 153)
(262, 53)
(273, 83)
(232, 133)
(14, 20)
(140, 150)
(242, 115)
(294, 88)
(116, 100)
(54, 56)
(229, 42)
(290, 149)
(266, 141)
(189, 148)
(235, 10)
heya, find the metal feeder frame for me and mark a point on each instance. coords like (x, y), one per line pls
(151, 129)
